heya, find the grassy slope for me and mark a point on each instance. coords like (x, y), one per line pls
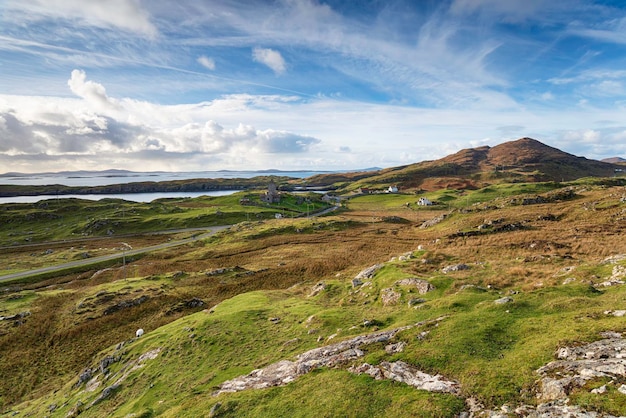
(491, 349)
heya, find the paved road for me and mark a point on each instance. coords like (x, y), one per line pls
(128, 253)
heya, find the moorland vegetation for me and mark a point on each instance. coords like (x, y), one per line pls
(497, 288)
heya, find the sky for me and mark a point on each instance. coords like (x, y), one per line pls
(194, 85)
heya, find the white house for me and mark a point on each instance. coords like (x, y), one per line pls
(424, 202)
(392, 189)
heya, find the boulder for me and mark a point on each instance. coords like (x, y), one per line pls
(503, 300)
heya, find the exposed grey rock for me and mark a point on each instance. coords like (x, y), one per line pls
(126, 304)
(356, 283)
(405, 373)
(578, 365)
(455, 267)
(415, 301)
(614, 259)
(317, 289)
(433, 222)
(618, 277)
(106, 393)
(106, 362)
(85, 376)
(369, 272)
(395, 348)
(389, 297)
(15, 317)
(422, 286)
(214, 410)
(618, 313)
(333, 355)
(560, 409)
(503, 300)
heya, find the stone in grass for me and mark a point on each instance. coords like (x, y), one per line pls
(415, 302)
(422, 286)
(503, 300)
(456, 267)
(389, 297)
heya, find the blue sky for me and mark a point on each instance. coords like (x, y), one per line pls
(304, 84)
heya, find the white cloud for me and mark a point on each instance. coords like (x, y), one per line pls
(273, 59)
(94, 93)
(127, 15)
(206, 62)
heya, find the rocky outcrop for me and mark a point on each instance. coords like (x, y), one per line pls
(618, 277)
(421, 285)
(455, 267)
(369, 272)
(402, 372)
(317, 289)
(578, 365)
(334, 355)
(389, 297)
(125, 304)
(434, 221)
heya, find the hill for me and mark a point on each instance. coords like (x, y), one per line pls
(524, 160)
(614, 160)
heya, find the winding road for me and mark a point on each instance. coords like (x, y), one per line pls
(59, 267)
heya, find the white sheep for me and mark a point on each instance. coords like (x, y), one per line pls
(139, 332)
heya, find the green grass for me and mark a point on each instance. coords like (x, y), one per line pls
(53, 220)
(492, 350)
(477, 343)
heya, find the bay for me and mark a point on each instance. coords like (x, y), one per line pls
(105, 178)
(108, 177)
(132, 197)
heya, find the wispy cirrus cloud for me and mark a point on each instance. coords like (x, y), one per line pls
(128, 15)
(384, 83)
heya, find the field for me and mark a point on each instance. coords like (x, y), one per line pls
(245, 298)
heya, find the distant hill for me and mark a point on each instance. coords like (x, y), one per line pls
(525, 159)
(614, 160)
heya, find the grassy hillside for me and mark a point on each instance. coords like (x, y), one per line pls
(271, 290)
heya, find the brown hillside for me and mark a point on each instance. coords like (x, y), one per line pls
(526, 151)
(525, 159)
(614, 160)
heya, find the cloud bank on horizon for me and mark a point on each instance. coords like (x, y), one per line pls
(303, 84)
